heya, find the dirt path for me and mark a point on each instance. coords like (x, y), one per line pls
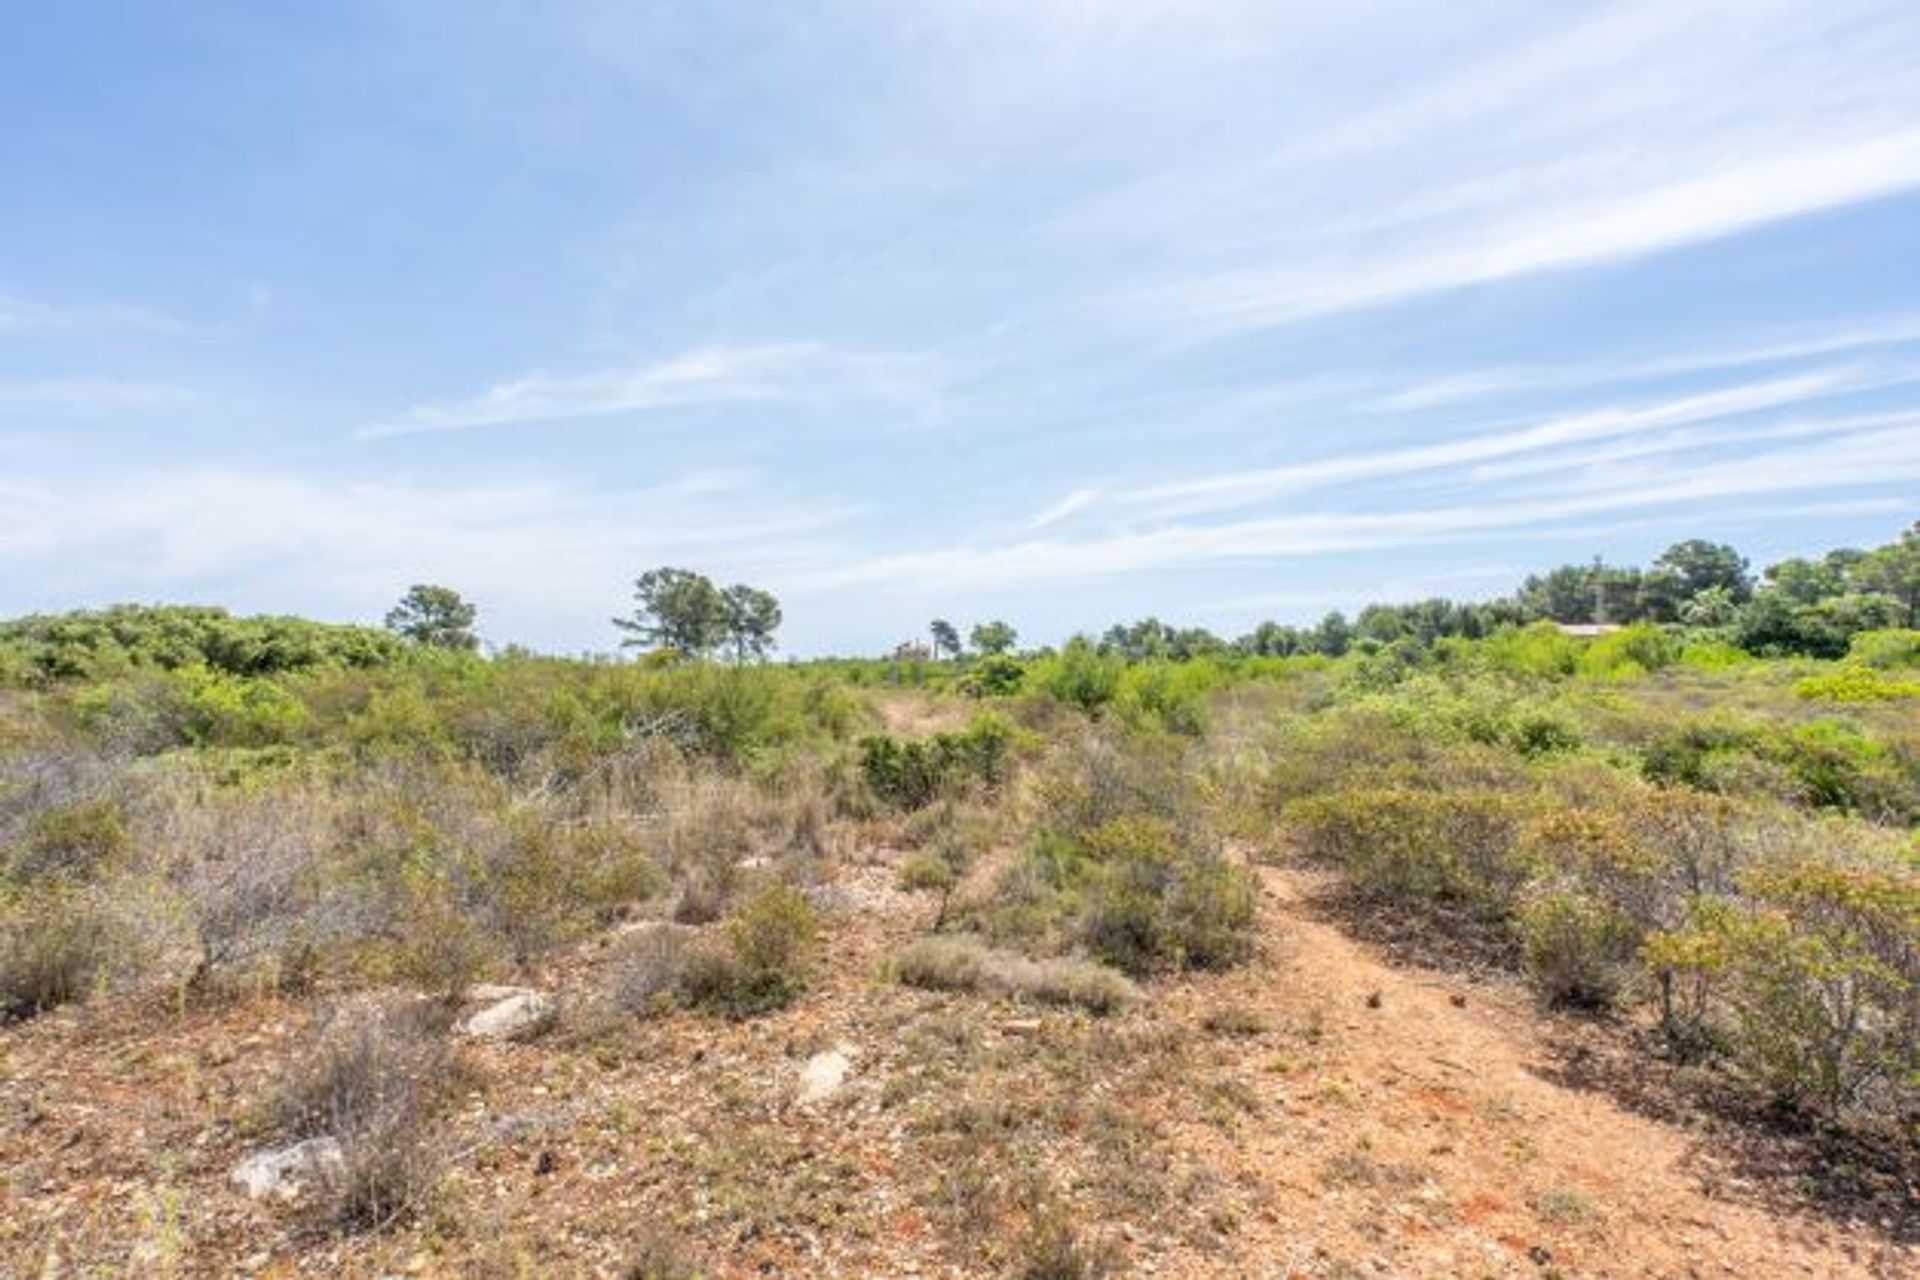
(1422, 1137)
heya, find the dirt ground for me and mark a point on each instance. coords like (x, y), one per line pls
(1317, 1112)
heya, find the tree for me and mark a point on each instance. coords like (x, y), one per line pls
(752, 618)
(434, 616)
(679, 610)
(1807, 581)
(946, 638)
(1334, 634)
(1894, 570)
(994, 638)
(1698, 565)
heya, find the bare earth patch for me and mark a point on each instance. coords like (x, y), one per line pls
(1317, 1112)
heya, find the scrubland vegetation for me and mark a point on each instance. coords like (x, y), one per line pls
(1702, 835)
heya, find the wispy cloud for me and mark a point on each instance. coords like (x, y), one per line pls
(1606, 227)
(28, 316)
(95, 396)
(1476, 384)
(1241, 488)
(1876, 458)
(717, 375)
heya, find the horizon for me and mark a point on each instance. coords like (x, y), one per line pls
(1212, 311)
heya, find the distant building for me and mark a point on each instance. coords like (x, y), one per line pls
(912, 651)
(1587, 630)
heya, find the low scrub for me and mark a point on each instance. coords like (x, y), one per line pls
(762, 960)
(911, 773)
(958, 963)
(373, 1079)
(1405, 842)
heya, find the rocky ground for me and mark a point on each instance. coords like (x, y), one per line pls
(1321, 1111)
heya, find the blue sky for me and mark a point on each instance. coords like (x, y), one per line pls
(1065, 311)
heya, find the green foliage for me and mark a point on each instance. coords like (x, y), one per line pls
(1818, 972)
(1856, 684)
(992, 638)
(1630, 651)
(1461, 845)
(1886, 649)
(910, 773)
(764, 961)
(1149, 899)
(684, 613)
(56, 945)
(1079, 675)
(1579, 951)
(108, 642)
(435, 616)
(994, 676)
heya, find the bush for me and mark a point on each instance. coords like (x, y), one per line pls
(944, 963)
(371, 1079)
(54, 949)
(1578, 951)
(72, 842)
(1401, 842)
(763, 962)
(1817, 974)
(911, 773)
(1886, 649)
(1079, 675)
(650, 970)
(1857, 684)
(1148, 901)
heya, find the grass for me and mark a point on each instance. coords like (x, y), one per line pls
(957, 963)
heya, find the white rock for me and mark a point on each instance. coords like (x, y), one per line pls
(825, 1073)
(494, 992)
(510, 1016)
(283, 1171)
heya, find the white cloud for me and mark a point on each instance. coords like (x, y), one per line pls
(1474, 384)
(1605, 227)
(1241, 488)
(95, 396)
(1869, 458)
(717, 375)
(28, 316)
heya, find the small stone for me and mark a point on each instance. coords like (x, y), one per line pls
(283, 1171)
(510, 1017)
(825, 1073)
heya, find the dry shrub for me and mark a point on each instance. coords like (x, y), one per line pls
(54, 949)
(1053, 1249)
(966, 964)
(373, 1079)
(763, 960)
(649, 969)
(661, 1254)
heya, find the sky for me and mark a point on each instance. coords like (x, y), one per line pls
(1061, 311)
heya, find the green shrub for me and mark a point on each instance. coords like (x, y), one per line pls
(910, 773)
(71, 842)
(764, 960)
(1856, 684)
(1630, 651)
(1402, 842)
(1079, 675)
(1818, 975)
(1149, 900)
(950, 963)
(995, 675)
(54, 949)
(1885, 649)
(1578, 951)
